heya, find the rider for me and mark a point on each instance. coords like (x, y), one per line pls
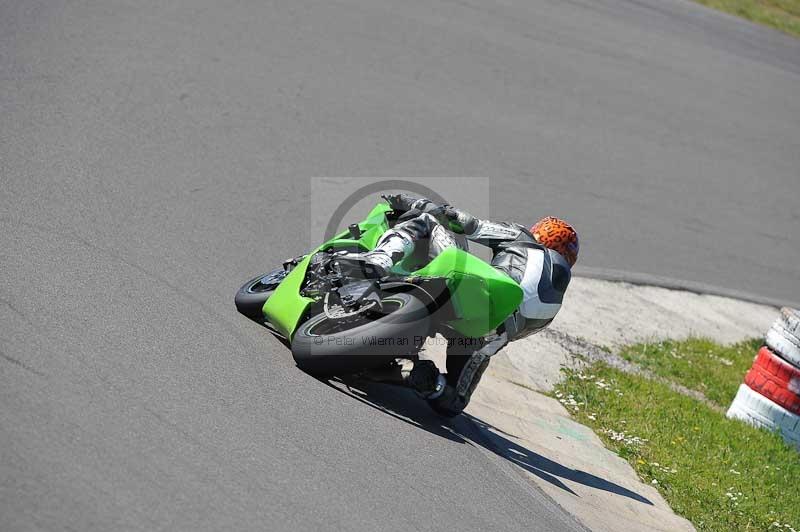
(539, 259)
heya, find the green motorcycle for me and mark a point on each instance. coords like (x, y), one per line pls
(336, 323)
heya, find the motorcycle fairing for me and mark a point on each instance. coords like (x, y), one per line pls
(481, 296)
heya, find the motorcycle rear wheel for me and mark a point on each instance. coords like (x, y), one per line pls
(324, 346)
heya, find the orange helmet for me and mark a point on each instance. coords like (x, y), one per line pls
(557, 235)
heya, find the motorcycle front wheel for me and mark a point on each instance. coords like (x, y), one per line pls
(327, 346)
(254, 293)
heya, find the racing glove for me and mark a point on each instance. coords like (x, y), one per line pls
(457, 221)
(401, 202)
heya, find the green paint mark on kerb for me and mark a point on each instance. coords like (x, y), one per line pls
(565, 427)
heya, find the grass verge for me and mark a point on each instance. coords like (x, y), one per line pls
(783, 15)
(697, 363)
(718, 473)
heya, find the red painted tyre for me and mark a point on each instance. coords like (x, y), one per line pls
(775, 379)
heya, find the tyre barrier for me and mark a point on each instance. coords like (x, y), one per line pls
(784, 336)
(781, 341)
(757, 410)
(775, 379)
(770, 395)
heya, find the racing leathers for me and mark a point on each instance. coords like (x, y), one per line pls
(543, 275)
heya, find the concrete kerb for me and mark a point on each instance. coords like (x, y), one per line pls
(564, 458)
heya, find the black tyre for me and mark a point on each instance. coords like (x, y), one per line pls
(254, 293)
(324, 346)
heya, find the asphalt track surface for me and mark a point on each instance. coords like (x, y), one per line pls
(153, 157)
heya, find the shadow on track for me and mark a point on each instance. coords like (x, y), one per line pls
(404, 405)
(547, 469)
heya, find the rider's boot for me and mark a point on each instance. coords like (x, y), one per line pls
(426, 380)
(392, 247)
(372, 265)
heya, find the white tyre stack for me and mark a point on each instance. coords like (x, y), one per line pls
(784, 336)
(757, 410)
(783, 340)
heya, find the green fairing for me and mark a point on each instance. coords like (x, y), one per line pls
(482, 296)
(286, 306)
